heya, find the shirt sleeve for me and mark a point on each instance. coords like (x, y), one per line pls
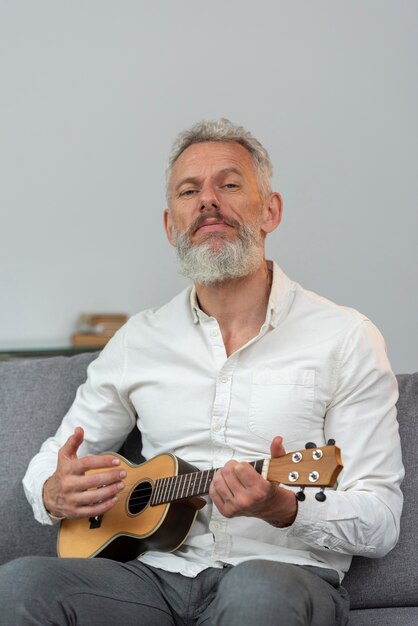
(361, 516)
(100, 408)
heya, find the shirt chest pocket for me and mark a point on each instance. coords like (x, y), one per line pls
(281, 403)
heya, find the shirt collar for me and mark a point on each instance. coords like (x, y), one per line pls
(277, 303)
(196, 311)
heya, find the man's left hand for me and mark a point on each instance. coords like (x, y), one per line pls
(238, 489)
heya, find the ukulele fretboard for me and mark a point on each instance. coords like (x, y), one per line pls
(183, 486)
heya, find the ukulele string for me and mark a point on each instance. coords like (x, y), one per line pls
(142, 493)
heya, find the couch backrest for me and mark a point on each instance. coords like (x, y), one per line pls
(35, 394)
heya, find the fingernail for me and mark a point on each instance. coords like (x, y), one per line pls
(122, 474)
(116, 462)
(120, 485)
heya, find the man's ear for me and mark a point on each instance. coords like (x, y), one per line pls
(168, 226)
(272, 213)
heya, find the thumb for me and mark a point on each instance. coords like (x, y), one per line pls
(70, 447)
(277, 448)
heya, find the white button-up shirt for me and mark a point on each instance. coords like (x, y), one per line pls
(314, 371)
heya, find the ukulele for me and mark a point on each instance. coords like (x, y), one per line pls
(161, 498)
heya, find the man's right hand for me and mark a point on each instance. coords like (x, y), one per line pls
(70, 493)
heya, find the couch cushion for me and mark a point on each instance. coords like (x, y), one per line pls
(393, 580)
(34, 396)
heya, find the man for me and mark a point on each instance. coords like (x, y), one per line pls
(236, 368)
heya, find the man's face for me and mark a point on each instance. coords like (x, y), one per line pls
(212, 190)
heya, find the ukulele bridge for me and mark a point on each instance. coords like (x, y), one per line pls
(95, 522)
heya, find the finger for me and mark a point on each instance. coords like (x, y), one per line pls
(235, 483)
(97, 461)
(93, 462)
(230, 504)
(219, 493)
(95, 496)
(92, 510)
(70, 447)
(224, 507)
(94, 481)
(224, 481)
(253, 486)
(247, 476)
(220, 498)
(277, 448)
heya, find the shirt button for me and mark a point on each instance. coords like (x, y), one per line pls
(216, 427)
(214, 332)
(224, 379)
(215, 526)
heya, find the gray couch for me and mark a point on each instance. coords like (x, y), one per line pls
(35, 394)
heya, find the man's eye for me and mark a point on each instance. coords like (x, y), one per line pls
(187, 192)
(231, 186)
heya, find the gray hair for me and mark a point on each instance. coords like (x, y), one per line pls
(223, 130)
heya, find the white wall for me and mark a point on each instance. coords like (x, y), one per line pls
(94, 91)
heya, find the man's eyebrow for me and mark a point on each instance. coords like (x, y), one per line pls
(231, 170)
(183, 181)
(195, 180)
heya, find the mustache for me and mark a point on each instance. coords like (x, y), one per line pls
(230, 221)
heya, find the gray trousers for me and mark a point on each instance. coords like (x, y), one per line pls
(42, 591)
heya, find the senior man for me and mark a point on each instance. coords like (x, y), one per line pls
(239, 366)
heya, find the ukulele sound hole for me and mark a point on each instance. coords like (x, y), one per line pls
(139, 498)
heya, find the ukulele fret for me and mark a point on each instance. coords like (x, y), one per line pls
(200, 480)
(171, 489)
(166, 489)
(187, 484)
(181, 490)
(182, 479)
(156, 491)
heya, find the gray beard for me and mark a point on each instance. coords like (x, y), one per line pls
(203, 263)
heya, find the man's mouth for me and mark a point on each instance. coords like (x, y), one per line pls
(211, 224)
(212, 227)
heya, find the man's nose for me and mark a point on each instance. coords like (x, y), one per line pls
(208, 198)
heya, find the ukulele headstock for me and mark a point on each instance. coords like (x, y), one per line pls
(312, 467)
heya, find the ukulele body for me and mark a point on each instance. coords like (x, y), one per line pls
(124, 532)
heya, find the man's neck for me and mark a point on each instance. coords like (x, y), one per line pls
(239, 306)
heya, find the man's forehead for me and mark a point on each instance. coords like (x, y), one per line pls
(218, 154)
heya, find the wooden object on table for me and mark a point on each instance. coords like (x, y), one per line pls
(95, 330)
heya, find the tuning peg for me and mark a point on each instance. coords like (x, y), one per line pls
(300, 495)
(331, 442)
(310, 444)
(320, 496)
